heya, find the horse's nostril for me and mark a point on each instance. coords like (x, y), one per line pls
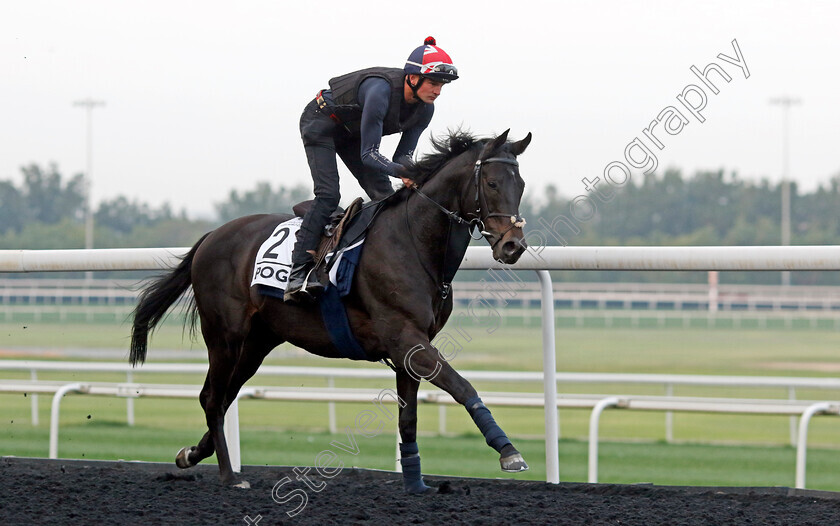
(511, 248)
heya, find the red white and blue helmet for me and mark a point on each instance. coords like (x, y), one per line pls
(431, 62)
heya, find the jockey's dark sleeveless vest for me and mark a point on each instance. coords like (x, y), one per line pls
(345, 95)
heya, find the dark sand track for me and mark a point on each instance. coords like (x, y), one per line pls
(37, 491)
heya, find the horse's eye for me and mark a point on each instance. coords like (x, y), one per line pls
(491, 184)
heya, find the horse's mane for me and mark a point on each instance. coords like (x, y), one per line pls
(446, 148)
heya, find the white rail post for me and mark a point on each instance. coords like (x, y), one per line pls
(55, 410)
(669, 416)
(713, 291)
(792, 396)
(397, 463)
(594, 421)
(129, 402)
(802, 445)
(34, 399)
(331, 407)
(232, 431)
(552, 459)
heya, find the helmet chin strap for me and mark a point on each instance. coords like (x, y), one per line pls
(414, 87)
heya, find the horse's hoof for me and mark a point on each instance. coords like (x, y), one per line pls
(417, 489)
(182, 459)
(513, 464)
(244, 485)
(425, 490)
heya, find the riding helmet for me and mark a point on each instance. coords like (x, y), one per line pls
(431, 62)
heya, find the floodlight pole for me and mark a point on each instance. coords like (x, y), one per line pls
(89, 104)
(785, 102)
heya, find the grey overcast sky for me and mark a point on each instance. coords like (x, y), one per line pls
(205, 97)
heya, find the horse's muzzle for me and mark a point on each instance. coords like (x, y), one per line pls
(509, 250)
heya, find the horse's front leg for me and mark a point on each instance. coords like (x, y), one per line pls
(409, 452)
(424, 362)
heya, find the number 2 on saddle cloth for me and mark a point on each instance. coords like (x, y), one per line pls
(336, 260)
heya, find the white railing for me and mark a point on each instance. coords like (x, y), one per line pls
(787, 384)
(57, 293)
(597, 403)
(745, 258)
(539, 259)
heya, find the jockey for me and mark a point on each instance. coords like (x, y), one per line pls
(349, 120)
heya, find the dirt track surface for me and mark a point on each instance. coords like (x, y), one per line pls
(34, 491)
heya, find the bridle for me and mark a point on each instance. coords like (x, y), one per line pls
(516, 220)
(477, 221)
(450, 265)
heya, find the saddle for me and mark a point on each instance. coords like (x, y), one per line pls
(333, 232)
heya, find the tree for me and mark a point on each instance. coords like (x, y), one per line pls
(34, 235)
(48, 200)
(262, 200)
(13, 211)
(123, 215)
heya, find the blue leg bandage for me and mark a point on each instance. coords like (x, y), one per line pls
(410, 462)
(493, 434)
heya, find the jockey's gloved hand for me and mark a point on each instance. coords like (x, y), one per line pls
(404, 172)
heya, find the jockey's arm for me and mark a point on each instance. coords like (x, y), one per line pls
(410, 137)
(374, 95)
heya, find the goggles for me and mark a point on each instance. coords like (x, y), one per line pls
(447, 69)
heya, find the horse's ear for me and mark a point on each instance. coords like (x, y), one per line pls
(519, 146)
(494, 145)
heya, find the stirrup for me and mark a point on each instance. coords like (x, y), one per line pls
(303, 288)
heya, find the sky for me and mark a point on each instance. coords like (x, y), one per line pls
(202, 98)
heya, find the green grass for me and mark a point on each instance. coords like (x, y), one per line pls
(38, 335)
(709, 449)
(649, 350)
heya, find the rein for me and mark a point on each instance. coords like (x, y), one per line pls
(477, 222)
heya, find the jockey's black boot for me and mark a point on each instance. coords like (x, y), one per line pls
(303, 283)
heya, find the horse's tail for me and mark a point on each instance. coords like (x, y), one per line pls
(155, 300)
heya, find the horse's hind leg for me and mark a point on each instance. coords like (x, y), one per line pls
(255, 348)
(222, 363)
(226, 386)
(192, 455)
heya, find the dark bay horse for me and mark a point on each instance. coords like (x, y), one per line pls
(399, 299)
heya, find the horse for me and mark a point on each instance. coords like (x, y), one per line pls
(399, 300)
